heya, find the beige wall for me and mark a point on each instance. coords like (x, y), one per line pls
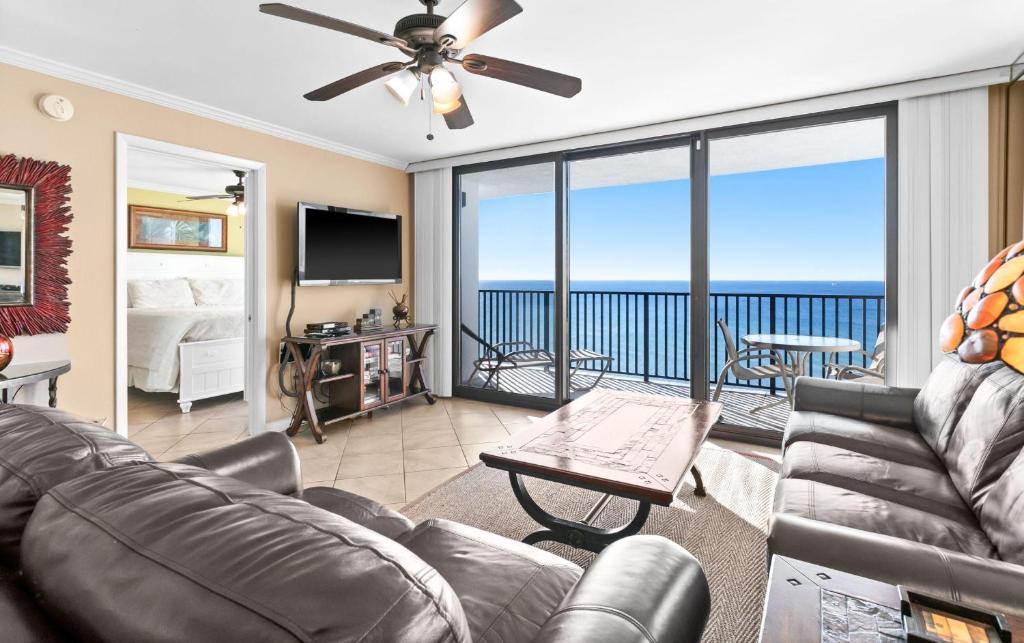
(294, 172)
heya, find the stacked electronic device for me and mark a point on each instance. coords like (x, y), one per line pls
(328, 329)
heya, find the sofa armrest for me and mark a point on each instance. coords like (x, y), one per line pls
(870, 402)
(360, 510)
(975, 580)
(639, 589)
(267, 460)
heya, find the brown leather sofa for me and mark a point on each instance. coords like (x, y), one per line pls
(99, 542)
(922, 488)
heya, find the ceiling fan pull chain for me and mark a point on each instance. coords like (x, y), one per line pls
(430, 123)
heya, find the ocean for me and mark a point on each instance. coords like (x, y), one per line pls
(856, 288)
(644, 326)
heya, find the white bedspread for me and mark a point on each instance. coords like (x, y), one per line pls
(154, 335)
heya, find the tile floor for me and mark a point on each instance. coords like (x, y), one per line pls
(395, 457)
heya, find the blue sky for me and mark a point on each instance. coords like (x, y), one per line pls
(824, 222)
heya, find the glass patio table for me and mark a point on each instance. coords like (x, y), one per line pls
(795, 350)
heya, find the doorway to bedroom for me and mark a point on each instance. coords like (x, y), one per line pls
(185, 373)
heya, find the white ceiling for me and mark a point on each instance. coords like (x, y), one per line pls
(168, 173)
(641, 62)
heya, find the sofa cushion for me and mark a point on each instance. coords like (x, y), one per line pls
(917, 487)
(42, 447)
(1002, 515)
(837, 506)
(880, 440)
(508, 589)
(21, 618)
(988, 436)
(162, 552)
(360, 510)
(945, 396)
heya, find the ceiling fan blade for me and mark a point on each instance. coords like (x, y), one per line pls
(474, 18)
(205, 197)
(551, 82)
(357, 79)
(327, 22)
(460, 118)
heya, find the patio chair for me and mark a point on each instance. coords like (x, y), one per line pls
(520, 354)
(873, 373)
(747, 365)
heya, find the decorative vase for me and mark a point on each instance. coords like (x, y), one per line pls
(400, 310)
(6, 351)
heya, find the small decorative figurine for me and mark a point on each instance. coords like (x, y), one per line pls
(400, 310)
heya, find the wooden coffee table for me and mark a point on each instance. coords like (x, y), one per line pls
(622, 444)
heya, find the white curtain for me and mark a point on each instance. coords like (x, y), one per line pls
(943, 218)
(432, 292)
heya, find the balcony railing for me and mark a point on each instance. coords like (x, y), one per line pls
(647, 334)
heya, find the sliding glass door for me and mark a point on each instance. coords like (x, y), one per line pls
(797, 227)
(611, 267)
(506, 282)
(629, 270)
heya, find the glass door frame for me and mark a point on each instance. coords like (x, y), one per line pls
(561, 374)
(699, 260)
(888, 111)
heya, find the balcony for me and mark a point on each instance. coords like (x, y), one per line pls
(647, 336)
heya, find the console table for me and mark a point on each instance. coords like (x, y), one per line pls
(378, 368)
(18, 375)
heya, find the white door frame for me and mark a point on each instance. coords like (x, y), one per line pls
(255, 272)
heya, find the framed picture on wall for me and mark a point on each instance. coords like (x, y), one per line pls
(164, 229)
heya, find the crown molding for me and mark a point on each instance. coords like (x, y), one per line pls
(74, 74)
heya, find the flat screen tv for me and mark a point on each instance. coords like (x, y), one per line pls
(10, 249)
(345, 246)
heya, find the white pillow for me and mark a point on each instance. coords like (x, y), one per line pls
(160, 293)
(217, 292)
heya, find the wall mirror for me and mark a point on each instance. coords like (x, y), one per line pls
(16, 228)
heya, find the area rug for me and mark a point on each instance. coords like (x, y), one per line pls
(726, 530)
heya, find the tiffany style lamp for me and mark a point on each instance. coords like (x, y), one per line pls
(989, 320)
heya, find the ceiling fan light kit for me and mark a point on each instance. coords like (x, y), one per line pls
(431, 41)
(443, 86)
(403, 85)
(446, 108)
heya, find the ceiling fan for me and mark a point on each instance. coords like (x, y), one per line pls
(235, 192)
(431, 41)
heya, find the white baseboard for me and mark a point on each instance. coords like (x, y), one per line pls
(277, 425)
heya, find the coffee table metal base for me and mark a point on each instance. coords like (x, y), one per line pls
(582, 534)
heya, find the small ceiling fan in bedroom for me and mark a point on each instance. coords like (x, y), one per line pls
(432, 41)
(235, 192)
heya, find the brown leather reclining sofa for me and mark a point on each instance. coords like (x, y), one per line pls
(923, 488)
(99, 542)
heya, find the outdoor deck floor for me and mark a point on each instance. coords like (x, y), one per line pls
(738, 403)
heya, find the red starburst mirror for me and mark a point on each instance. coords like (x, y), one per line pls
(34, 297)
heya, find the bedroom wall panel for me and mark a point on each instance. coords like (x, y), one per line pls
(151, 265)
(295, 172)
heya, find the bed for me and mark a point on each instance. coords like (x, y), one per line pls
(186, 336)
